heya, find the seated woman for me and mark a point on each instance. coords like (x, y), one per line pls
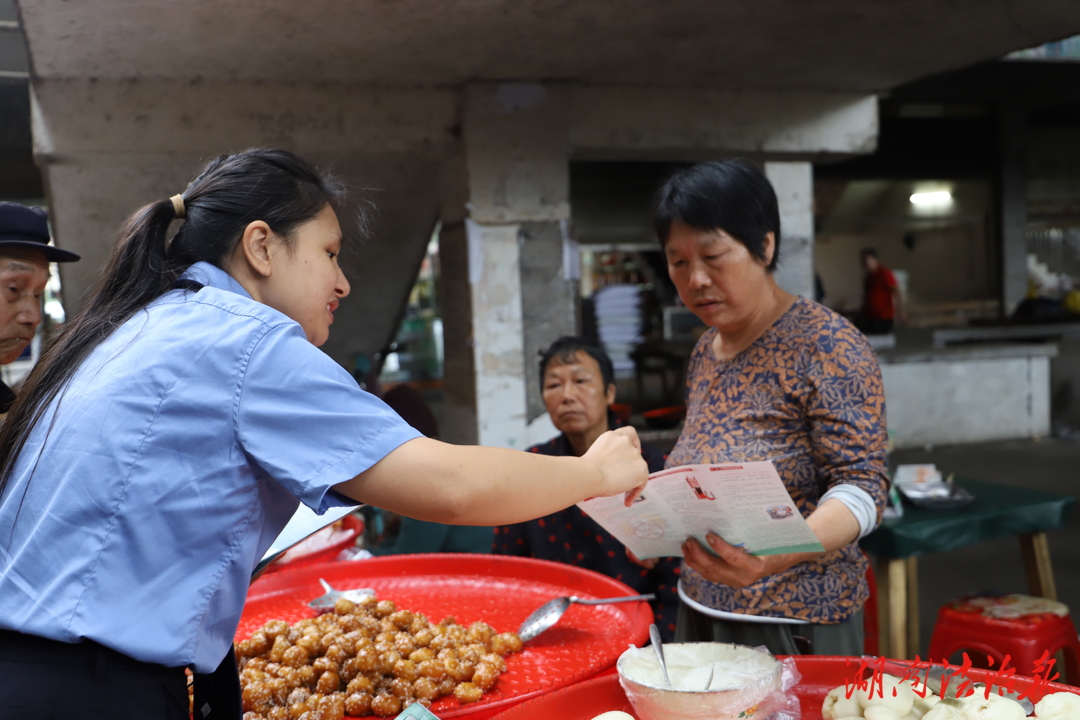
(578, 385)
(780, 378)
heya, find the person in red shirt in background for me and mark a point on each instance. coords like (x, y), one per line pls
(882, 301)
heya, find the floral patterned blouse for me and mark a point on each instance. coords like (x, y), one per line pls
(808, 396)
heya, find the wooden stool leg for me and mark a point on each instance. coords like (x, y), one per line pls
(881, 575)
(911, 575)
(896, 599)
(1040, 574)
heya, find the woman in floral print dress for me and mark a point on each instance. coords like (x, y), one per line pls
(781, 378)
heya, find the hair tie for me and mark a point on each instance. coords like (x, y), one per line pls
(178, 207)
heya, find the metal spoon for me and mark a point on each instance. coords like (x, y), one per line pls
(549, 613)
(658, 646)
(325, 602)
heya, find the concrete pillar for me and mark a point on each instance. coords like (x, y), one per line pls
(518, 279)
(459, 367)
(794, 185)
(549, 268)
(516, 172)
(1012, 179)
(497, 332)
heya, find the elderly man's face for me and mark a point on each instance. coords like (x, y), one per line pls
(22, 282)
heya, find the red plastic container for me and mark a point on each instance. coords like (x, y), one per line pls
(820, 674)
(499, 590)
(622, 412)
(664, 418)
(352, 526)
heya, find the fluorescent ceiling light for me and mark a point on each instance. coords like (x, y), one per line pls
(938, 197)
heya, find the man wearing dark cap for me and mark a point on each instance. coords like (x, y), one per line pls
(25, 255)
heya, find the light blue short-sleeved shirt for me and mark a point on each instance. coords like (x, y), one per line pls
(167, 466)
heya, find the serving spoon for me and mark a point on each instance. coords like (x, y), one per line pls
(549, 613)
(325, 602)
(658, 646)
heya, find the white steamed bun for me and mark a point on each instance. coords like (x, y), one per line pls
(838, 706)
(941, 711)
(880, 712)
(892, 693)
(1058, 706)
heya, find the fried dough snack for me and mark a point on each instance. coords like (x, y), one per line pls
(366, 658)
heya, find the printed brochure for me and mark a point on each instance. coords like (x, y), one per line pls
(744, 503)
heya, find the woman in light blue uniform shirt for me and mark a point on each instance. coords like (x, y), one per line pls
(175, 424)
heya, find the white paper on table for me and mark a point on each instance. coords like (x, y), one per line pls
(923, 474)
(744, 503)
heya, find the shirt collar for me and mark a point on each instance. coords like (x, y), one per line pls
(213, 276)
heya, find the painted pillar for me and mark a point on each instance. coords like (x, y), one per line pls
(510, 246)
(794, 185)
(550, 269)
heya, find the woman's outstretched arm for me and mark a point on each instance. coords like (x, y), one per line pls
(465, 485)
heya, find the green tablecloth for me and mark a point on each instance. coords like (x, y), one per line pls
(998, 511)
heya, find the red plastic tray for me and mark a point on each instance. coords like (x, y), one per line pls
(352, 525)
(820, 674)
(499, 590)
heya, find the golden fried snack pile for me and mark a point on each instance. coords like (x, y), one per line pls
(366, 658)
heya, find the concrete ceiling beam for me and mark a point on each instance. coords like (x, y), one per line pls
(827, 45)
(88, 117)
(673, 123)
(75, 117)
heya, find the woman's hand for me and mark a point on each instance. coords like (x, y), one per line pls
(833, 524)
(617, 455)
(731, 566)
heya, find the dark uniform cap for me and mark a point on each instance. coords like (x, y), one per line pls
(27, 227)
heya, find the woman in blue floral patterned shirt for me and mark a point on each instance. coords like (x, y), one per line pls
(781, 378)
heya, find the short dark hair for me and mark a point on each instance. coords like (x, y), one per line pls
(566, 348)
(868, 252)
(729, 195)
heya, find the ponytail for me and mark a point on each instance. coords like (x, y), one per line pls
(231, 192)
